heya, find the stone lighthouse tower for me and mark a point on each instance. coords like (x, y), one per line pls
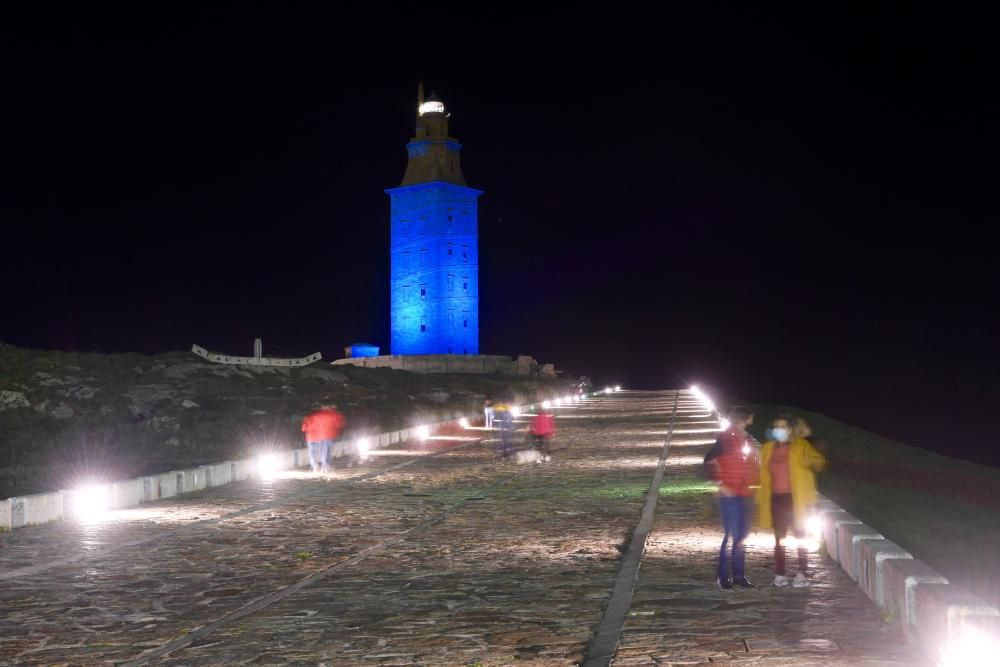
(434, 254)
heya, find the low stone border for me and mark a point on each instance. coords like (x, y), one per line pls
(934, 613)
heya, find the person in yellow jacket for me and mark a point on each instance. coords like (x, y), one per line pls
(787, 492)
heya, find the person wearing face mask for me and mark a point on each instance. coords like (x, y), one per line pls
(788, 467)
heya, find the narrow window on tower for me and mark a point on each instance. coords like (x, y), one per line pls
(465, 324)
(465, 253)
(465, 283)
(423, 293)
(451, 283)
(423, 327)
(451, 249)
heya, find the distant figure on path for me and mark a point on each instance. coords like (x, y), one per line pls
(488, 409)
(322, 428)
(733, 465)
(543, 427)
(788, 467)
(503, 415)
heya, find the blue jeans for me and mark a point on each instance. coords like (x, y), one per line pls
(735, 512)
(319, 455)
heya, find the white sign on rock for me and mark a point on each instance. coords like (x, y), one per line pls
(257, 359)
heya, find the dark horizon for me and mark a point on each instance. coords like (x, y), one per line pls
(790, 208)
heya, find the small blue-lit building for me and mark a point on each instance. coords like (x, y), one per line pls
(434, 248)
(361, 350)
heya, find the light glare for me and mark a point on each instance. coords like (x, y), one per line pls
(364, 446)
(267, 465)
(972, 647)
(703, 397)
(91, 503)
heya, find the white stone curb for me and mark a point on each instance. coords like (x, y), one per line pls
(932, 611)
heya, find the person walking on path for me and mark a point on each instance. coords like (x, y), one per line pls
(787, 492)
(543, 427)
(322, 428)
(505, 419)
(732, 464)
(488, 410)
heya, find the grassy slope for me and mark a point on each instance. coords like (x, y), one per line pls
(943, 510)
(130, 420)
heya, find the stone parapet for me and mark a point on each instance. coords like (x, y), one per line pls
(938, 615)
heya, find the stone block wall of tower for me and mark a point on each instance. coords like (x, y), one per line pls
(434, 257)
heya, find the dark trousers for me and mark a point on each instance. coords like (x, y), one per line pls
(540, 442)
(735, 512)
(783, 516)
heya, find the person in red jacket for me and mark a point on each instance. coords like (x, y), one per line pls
(732, 463)
(322, 428)
(543, 427)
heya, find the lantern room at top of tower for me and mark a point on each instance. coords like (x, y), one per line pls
(432, 105)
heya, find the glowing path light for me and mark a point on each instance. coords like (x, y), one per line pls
(91, 502)
(971, 647)
(267, 466)
(515, 410)
(703, 397)
(814, 528)
(463, 422)
(423, 432)
(364, 446)
(546, 404)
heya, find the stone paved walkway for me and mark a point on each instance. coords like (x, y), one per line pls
(493, 564)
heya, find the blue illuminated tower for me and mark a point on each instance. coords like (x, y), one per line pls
(434, 244)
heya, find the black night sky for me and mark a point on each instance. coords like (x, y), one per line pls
(789, 207)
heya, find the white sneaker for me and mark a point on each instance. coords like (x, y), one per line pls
(800, 581)
(780, 580)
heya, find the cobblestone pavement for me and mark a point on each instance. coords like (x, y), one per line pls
(453, 560)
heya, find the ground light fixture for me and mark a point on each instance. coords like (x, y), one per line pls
(814, 527)
(363, 446)
(703, 397)
(515, 410)
(972, 646)
(618, 387)
(463, 422)
(91, 502)
(267, 465)
(423, 432)
(546, 404)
